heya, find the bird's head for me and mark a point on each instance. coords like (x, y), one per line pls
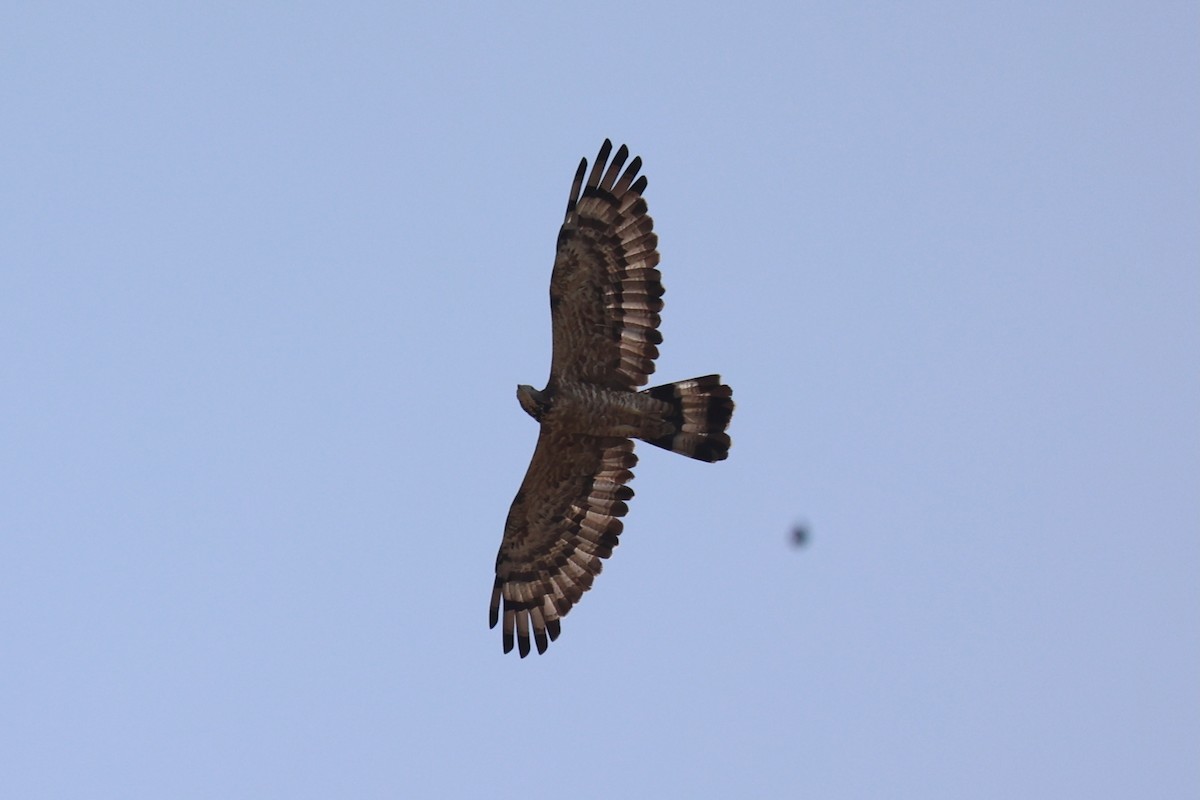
(534, 402)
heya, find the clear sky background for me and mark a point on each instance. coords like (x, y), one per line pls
(269, 275)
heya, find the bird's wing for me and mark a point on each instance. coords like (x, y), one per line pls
(605, 291)
(563, 521)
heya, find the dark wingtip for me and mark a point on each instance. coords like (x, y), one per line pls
(523, 645)
(494, 609)
(508, 641)
(598, 168)
(576, 187)
(553, 628)
(539, 638)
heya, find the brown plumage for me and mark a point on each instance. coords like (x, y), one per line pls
(605, 295)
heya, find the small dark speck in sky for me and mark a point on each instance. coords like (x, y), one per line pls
(800, 535)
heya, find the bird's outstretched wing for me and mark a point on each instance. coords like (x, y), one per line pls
(564, 520)
(605, 291)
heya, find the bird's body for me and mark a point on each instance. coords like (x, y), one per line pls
(605, 295)
(586, 408)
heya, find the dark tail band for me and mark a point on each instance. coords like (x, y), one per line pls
(700, 412)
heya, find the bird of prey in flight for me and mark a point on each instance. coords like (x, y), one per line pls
(605, 295)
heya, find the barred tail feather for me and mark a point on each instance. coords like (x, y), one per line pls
(700, 412)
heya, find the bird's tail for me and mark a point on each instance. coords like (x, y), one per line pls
(699, 414)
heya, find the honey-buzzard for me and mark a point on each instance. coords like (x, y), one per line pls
(605, 295)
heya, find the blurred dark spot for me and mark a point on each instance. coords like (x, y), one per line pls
(800, 535)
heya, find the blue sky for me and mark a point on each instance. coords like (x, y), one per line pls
(269, 275)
